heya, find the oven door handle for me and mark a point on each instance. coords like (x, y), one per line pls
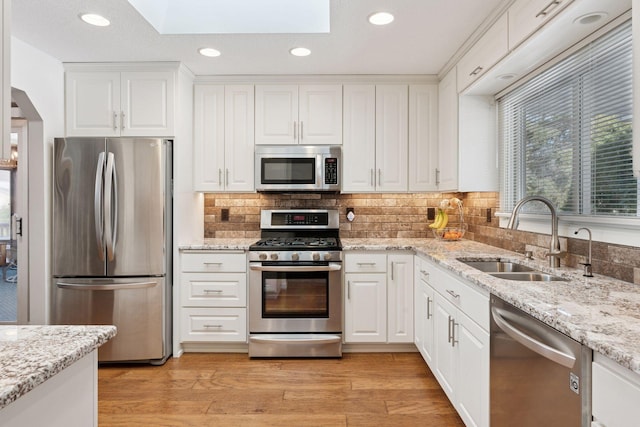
(333, 266)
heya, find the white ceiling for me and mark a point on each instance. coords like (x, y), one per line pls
(423, 37)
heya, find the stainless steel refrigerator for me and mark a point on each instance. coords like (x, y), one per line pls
(111, 246)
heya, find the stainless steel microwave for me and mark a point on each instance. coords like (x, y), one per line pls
(298, 168)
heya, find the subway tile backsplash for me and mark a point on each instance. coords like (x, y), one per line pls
(404, 215)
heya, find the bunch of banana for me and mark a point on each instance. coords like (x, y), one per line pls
(441, 220)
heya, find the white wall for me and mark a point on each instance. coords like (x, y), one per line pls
(41, 77)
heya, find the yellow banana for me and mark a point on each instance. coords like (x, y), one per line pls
(443, 223)
(437, 221)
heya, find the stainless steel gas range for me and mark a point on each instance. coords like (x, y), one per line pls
(295, 285)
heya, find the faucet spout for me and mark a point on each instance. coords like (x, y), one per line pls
(554, 243)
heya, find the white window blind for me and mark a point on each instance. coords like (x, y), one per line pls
(566, 134)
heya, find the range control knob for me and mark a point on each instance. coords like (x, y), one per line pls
(262, 256)
(274, 256)
(327, 256)
(295, 256)
(315, 256)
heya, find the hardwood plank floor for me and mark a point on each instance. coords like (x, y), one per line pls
(198, 389)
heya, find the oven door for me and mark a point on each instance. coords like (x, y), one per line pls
(295, 297)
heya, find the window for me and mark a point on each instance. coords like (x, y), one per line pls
(566, 134)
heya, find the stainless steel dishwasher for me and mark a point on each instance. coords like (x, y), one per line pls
(538, 376)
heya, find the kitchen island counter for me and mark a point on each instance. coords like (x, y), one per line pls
(35, 356)
(600, 312)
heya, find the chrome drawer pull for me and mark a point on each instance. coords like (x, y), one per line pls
(212, 291)
(212, 263)
(362, 264)
(212, 326)
(548, 8)
(453, 294)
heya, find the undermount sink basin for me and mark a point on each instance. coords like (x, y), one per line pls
(496, 266)
(532, 276)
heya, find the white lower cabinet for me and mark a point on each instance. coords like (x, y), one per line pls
(615, 394)
(213, 296)
(452, 334)
(378, 299)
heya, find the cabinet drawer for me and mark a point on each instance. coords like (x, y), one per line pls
(213, 262)
(213, 324)
(464, 296)
(526, 16)
(365, 263)
(213, 289)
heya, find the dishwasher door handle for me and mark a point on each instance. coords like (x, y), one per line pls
(531, 343)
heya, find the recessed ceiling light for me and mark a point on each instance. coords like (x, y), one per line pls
(590, 18)
(95, 19)
(300, 51)
(209, 51)
(381, 18)
(508, 76)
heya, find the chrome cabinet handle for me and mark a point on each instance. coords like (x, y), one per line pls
(449, 330)
(212, 291)
(429, 302)
(212, 263)
(476, 71)
(453, 294)
(372, 179)
(115, 121)
(379, 177)
(295, 130)
(122, 120)
(219, 177)
(348, 289)
(226, 177)
(548, 8)
(454, 341)
(212, 326)
(437, 176)
(365, 263)
(301, 130)
(392, 264)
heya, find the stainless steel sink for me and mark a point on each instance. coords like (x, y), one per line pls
(532, 276)
(496, 266)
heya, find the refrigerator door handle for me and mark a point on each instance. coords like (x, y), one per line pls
(110, 287)
(109, 205)
(97, 206)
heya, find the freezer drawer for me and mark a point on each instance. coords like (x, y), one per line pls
(134, 305)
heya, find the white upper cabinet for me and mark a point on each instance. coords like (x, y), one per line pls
(447, 169)
(223, 138)
(491, 47)
(290, 114)
(114, 103)
(392, 147)
(358, 148)
(423, 137)
(526, 16)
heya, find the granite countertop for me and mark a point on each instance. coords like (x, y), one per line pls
(600, 312)
(29, 355)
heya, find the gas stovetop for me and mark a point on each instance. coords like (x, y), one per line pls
(298, 243)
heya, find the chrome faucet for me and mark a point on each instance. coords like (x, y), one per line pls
(588, 272)
(554, 244)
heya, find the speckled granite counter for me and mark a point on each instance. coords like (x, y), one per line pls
(600, 312)
(29, 355)
(240, 244)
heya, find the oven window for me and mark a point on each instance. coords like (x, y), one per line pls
(288, 171)
(286, 295)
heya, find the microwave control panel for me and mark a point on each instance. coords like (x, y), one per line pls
(331, 170)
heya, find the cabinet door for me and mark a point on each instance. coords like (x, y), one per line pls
(276, 114)
(487, 51)
(320, 113)
(208, 138)
(423, 137)
(616, 393)
(358, 147)
(365, 309)
(400, 298)
(472, 390)
(92, 103)
(423, 313)
(526, 16)
(392, 145)
(239, 137)
(147, 101)
(445, 354)
(447, 172)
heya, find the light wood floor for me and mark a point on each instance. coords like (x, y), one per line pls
(372, 389)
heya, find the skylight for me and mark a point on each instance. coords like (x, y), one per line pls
(235, 16)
